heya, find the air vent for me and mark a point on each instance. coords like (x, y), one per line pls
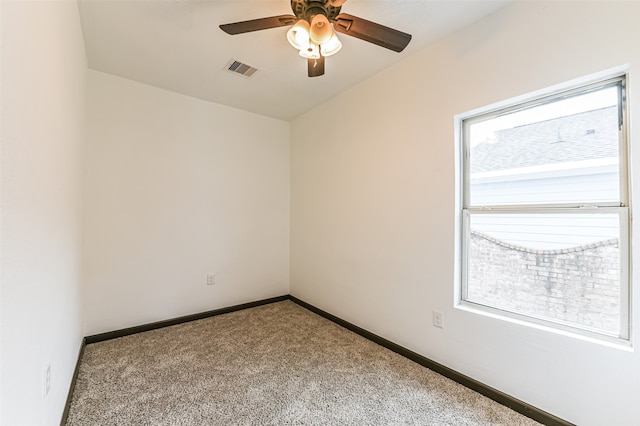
(238, 67)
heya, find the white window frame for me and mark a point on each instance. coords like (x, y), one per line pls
(622, 208)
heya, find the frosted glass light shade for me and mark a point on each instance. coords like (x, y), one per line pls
(298, 35)
(331, 46)
(320, 30)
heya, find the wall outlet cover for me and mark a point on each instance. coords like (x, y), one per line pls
(437, 319)
(211, 279)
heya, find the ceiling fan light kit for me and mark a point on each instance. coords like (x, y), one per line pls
(315, 39)
(313, 34)
(305, 39)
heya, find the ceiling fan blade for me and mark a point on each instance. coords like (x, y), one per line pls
(258, 24)
(371, 32)
(315, 67)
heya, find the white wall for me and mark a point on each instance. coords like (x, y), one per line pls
(177, 188)
(43, 104)
(373, 204)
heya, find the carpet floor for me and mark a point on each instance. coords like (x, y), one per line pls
(277, 364)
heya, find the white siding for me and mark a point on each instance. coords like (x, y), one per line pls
(548, 231)
(581, 189)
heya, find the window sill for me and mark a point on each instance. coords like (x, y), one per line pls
(607, 341)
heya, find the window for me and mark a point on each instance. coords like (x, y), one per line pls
(545, 210)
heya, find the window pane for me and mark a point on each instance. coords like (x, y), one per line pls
(559, 267)
(566, 151)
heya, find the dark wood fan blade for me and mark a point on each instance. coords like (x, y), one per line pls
(371, 32)
(258, 24)
(315, 67)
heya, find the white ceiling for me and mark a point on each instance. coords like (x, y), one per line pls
(177, 45)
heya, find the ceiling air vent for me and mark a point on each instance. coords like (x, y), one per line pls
(238, 67)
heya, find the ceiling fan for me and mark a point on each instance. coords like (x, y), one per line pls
(313, 35)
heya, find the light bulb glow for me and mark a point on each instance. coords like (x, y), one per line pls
(298, 35)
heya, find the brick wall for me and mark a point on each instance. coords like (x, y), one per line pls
(579, 285)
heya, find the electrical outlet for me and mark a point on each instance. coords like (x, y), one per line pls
(47, 380)
(211, 279)
(437, 319)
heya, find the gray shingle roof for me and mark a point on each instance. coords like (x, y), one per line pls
(584, 136)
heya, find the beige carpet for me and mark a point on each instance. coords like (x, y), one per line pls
(276, 364)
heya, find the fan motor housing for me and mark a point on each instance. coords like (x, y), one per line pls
(305, 9)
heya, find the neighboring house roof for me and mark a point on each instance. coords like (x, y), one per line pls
(584, 136)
